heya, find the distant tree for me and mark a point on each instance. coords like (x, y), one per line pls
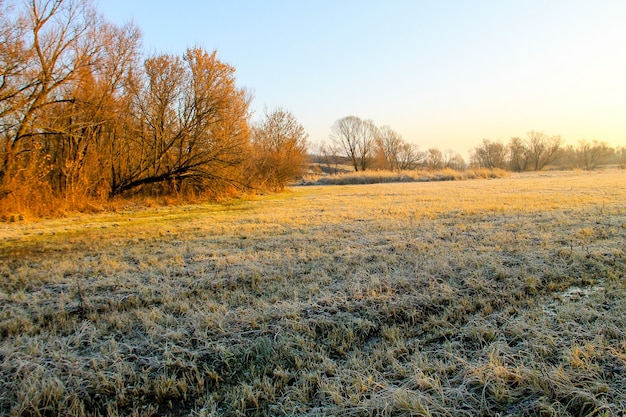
(388, 144)
(409, 156)
(589, 155)
(542, 149)
(490, 154)
(434, 159)
(620, 156)
(329, 155)
(356, 138)
(518, 155)
(395, 153)
(453, 160)
(279, 146)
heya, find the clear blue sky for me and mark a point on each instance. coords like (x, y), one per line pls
(442, 73)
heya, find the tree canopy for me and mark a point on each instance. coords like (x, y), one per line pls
(84, 113)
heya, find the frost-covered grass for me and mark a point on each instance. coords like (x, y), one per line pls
(483, 297)
(378, 177)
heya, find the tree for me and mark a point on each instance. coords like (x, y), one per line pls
(620, 156)
(329, 156)
(409, 156)
(356, 138)
(542, 149)
(279, 145)
(589, 155)
(192, 129)
(434, 159)
(388, 146)
(394, 152)
(489, 154)
(87, 124)
(518, 155)
(453, 160)
(47, 46)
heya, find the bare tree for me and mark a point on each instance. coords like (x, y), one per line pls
(14, 59)
(280, 144)
(87, 123)
(434, 159)
(394, 152)
(542, 149)
(409, 156)
(518, 155)
(490, 154)
(356, 138)
(453, 160)
(330, 156)
(620, 156)
(589, 155)
(388, 145)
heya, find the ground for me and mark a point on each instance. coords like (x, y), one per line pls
(476, 297)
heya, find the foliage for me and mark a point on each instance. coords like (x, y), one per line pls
(279, 150)
(83, 119)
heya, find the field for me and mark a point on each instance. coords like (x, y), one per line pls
(461, 298)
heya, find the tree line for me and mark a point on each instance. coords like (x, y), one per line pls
(363, 145)
(538, 150)
(85, 114)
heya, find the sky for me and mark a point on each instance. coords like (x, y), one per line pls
(442, 73)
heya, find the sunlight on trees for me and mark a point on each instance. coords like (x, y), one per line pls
(85, 117)
(279, 146)
(589, 155)
(82, 117)
(489, 155)
(394, 153)
(192, 130)
(356, 138)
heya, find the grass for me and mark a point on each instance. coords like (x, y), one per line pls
(483, 297)
(379, 177)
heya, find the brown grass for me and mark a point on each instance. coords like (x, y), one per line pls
(381, 176)
(485, 297)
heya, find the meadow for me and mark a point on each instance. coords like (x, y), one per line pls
(477, 297)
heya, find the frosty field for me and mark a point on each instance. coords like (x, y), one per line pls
(461, 298)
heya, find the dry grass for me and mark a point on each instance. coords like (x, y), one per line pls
(485, 297)
(380, 177)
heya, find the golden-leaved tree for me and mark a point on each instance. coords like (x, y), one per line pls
(191, 129)
(44, 48)
(82, 117)
(279, 144)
